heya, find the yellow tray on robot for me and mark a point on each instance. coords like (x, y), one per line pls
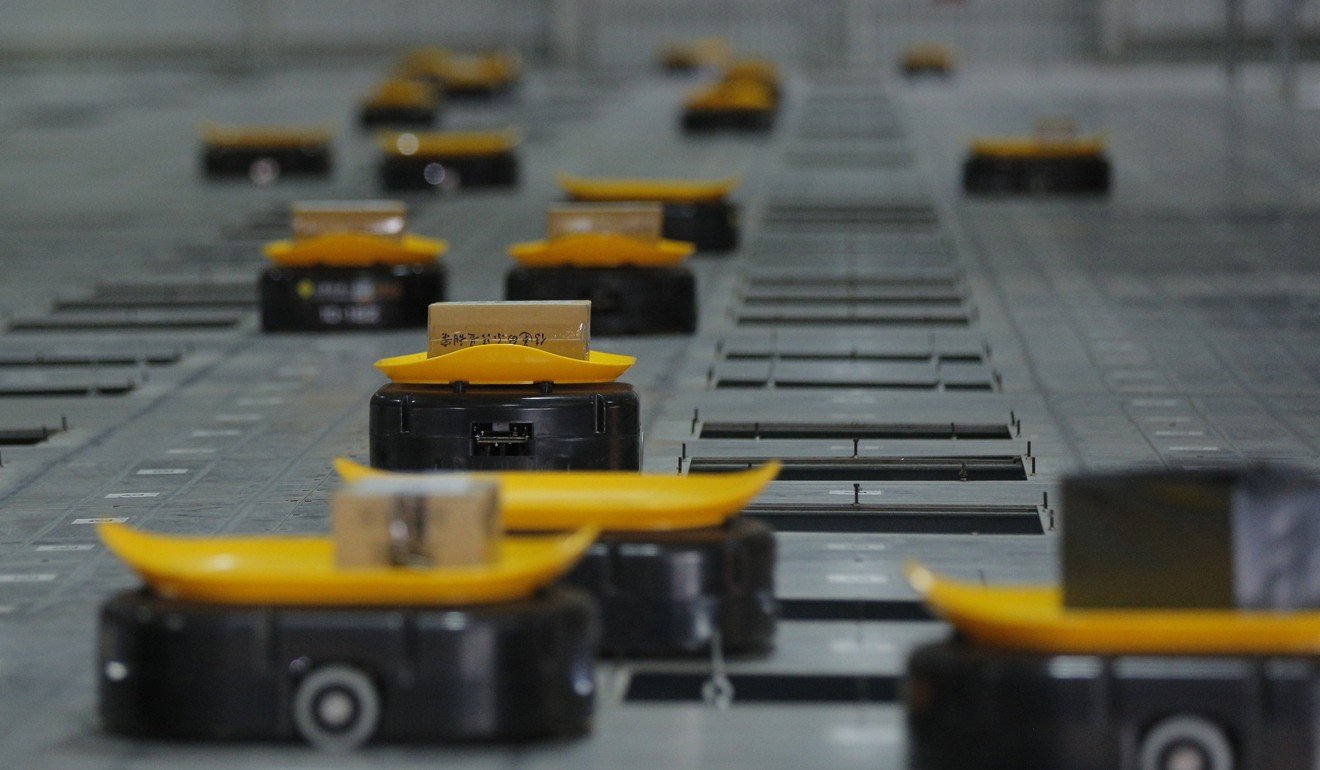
(350, 249)
(449, 160)
(342, 279)
(426, 64)
(737, 104)
(481, 75)
(695, 211)
(263, 154)
(611, 501)
(927, 59)
(600, 250)
(636, 286)
(1034, 618)
(1030, 165)
(687, 56)
(301, 571)
(504, 364)
(762, 71)
(411, 103)
(463, 75)
(675, 562)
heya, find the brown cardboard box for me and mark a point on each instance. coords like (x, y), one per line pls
(636, 220)
(559, 327)
(383, 218)
(424, 522)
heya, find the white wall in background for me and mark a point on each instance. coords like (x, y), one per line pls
(860, 31)
(606, 31)
(1150, 21)
(31, 24)
(1183, 16)
(35, 26)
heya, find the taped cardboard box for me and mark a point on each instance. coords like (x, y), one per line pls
(642, 221)
(1192, 539)
(383, 218)
(421, 523)
(563, 328)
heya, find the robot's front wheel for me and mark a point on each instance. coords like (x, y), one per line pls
(1186, 742)
(336, 708)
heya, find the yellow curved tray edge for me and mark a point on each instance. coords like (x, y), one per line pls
(354, 250)
(662, 190)
(504, 364)
(1034, 619)
(264, 135)
(613, 501)
(451, 143)
(403, 93)
(1031, 147)
(732, 95)
(600, 250)
(293, 571)
(721, 103)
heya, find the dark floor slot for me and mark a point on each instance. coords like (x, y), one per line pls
(968, 386)
(827, 430)
(851, 159)
(900, 519)
(670, 687)
(125, 358)
(914, 215)
(72, 389)
(854, 610)
(874, 133)
(201, 294)
(893, 298)
(25, 436)
(860, 281)
(804, 355)
(817, 225)
(211, 254)
(846, 210)
(61, 391)
(61, 116)
(154, 303)
(937, 468)
(854, 319)
(223, 289)
(881, 385)
(734, 383)
(120, 324)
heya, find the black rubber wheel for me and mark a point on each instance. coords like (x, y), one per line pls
(1186, 742)
(336, 708)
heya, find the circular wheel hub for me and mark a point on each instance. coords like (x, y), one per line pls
(336, 708)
